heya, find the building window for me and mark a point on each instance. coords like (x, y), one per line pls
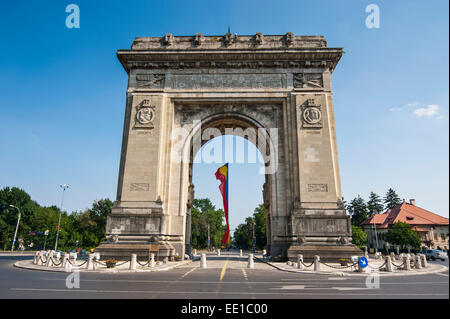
(435, 236)
(443, 236)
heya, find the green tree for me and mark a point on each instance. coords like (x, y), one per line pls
(260, 219)
(359, 236)
(204, 213)
(391, 199)
(358, 211)
(374, 204)
(243, 234)
(403, 235)
(87, 227)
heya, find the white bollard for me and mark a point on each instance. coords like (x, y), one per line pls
(35, 259)
(49, 258)
(39, 259)
(165, 260)
(264, 252)
(218, 252)
(203, 261)
(407, 262)
(65, 260)
(418, 263)
(389, 264)
(133, 262)
(240, 252)
(250, 261)
(195, 252)
(424, 260)
(316, 263)
(299, 261)
(151, 262)
(90, 264)
(73, 256)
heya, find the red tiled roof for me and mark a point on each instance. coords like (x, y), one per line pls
(376, 219)
(406, 213)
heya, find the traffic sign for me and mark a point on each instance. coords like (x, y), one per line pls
(363, 262)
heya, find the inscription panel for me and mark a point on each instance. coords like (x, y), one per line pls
(139, 187)
(317, 188)
(136, 225)
(254, 81)
(320, 226)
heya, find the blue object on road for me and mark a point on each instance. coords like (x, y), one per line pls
(363, 262)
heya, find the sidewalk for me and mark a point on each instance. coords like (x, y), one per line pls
(122, 268)
(338, 270)
(17, 253)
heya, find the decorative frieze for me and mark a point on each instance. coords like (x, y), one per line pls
(308, 80)
(150, 81)
(254, 81)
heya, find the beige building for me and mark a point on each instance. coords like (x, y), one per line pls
(432, 228)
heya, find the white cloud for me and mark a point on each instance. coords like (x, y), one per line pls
(411, 104)
(395, 109)
(429, 111)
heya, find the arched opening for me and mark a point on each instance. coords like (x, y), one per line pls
(245, 144)
(245, 194)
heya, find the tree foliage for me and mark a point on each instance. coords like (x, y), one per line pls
(358, 211)
(204, 213)
(391, 199)
(403, 235)
(87, 227)
(243, 234)
(374, 204)
(359, 236)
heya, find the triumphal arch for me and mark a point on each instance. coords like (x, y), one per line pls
(273, 89)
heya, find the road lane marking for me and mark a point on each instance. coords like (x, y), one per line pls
(245, 274)
(224, 292)
(223, 270)
(240, 282)
(187, 273)
(441, 274)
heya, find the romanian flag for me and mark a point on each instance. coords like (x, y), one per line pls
(222, 176)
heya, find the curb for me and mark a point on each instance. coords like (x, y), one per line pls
(21, 265)
(337, 273)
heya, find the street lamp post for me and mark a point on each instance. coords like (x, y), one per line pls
(209, 239)
(253, 231)
(64, 187)
(17, 227)
(376, 237)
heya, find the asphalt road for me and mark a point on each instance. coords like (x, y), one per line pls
(225, 278)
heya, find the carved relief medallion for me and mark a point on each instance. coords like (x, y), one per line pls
(312, 115)
(145, 115)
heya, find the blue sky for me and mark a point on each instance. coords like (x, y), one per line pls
(62, 97)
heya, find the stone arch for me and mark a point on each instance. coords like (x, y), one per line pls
(235, 117)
